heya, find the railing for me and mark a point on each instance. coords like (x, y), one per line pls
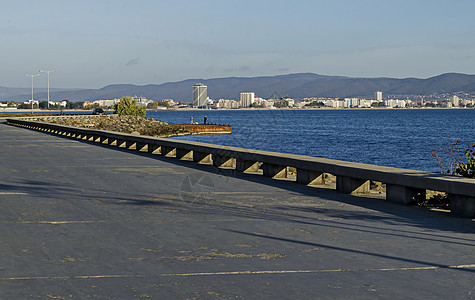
(402, 185)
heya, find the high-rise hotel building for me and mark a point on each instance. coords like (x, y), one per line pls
(455, 101)
(378, 96)
(247, 99)
(200, 94)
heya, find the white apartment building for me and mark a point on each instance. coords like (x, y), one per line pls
(106, 103)
(258, 100)
(170, 102)
(268, 102)
(142, 101)
(29, 102)
(378, 96)
(351, 102)
(468, 102)
(335, 103)
(227, 103)
(365, 103)
(290, 101)
(455, 100)
(393, 103)
(247, 99)
(302, 103)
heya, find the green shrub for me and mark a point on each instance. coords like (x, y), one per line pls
(129, 107)
(467, 169)
(459, 159)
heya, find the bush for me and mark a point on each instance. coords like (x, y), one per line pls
(467, 169)
(129, 107)
(460, 159)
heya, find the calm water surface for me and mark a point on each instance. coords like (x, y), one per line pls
(390, 137)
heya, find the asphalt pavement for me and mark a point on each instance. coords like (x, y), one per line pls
(80, 220)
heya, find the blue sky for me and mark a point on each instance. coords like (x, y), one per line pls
(96, 43)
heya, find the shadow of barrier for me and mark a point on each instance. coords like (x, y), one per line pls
(402, 185)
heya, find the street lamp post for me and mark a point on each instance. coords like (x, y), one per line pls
(47, 72)
(32, 76)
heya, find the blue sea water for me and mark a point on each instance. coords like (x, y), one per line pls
(403, 138)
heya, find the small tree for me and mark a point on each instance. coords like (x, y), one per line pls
(43, 104)
(129, 107)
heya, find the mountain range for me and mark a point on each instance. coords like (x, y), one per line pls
(293, 85)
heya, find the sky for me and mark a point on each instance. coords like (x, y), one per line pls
(92, 44)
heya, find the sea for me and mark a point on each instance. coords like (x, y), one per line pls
(402, 138)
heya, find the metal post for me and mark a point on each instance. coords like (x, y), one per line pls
(47, 72)
(32, 99)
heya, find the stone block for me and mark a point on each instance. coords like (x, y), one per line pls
(402, 194)
(143, 147)
(202, 158)
(247, 166)
(349, 185)
(274, 171)
(223, 161)
(462, 206)
(154, 149)
(308, 177)
(168, 151)
(130, 145)
(184, 154)
(121, 143)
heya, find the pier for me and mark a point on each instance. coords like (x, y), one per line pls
(88, 213)
(207, 128)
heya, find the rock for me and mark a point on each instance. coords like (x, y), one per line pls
(125, 124)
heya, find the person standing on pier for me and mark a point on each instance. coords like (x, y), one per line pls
(205, 119)
(191, 119)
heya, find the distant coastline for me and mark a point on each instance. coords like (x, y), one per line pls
(13, 111)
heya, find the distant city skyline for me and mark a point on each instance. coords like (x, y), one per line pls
(97, 43)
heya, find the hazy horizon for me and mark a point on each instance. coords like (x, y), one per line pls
(93, 44)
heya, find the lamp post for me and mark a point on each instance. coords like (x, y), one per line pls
(32, 76)
(47, 72)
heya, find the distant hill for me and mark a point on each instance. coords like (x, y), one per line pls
(23, 94)
(293, 85)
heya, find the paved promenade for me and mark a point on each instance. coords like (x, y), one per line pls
(84, 221)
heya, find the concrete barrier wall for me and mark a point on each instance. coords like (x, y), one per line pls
(402, 185)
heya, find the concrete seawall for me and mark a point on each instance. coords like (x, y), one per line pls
(403, 185)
